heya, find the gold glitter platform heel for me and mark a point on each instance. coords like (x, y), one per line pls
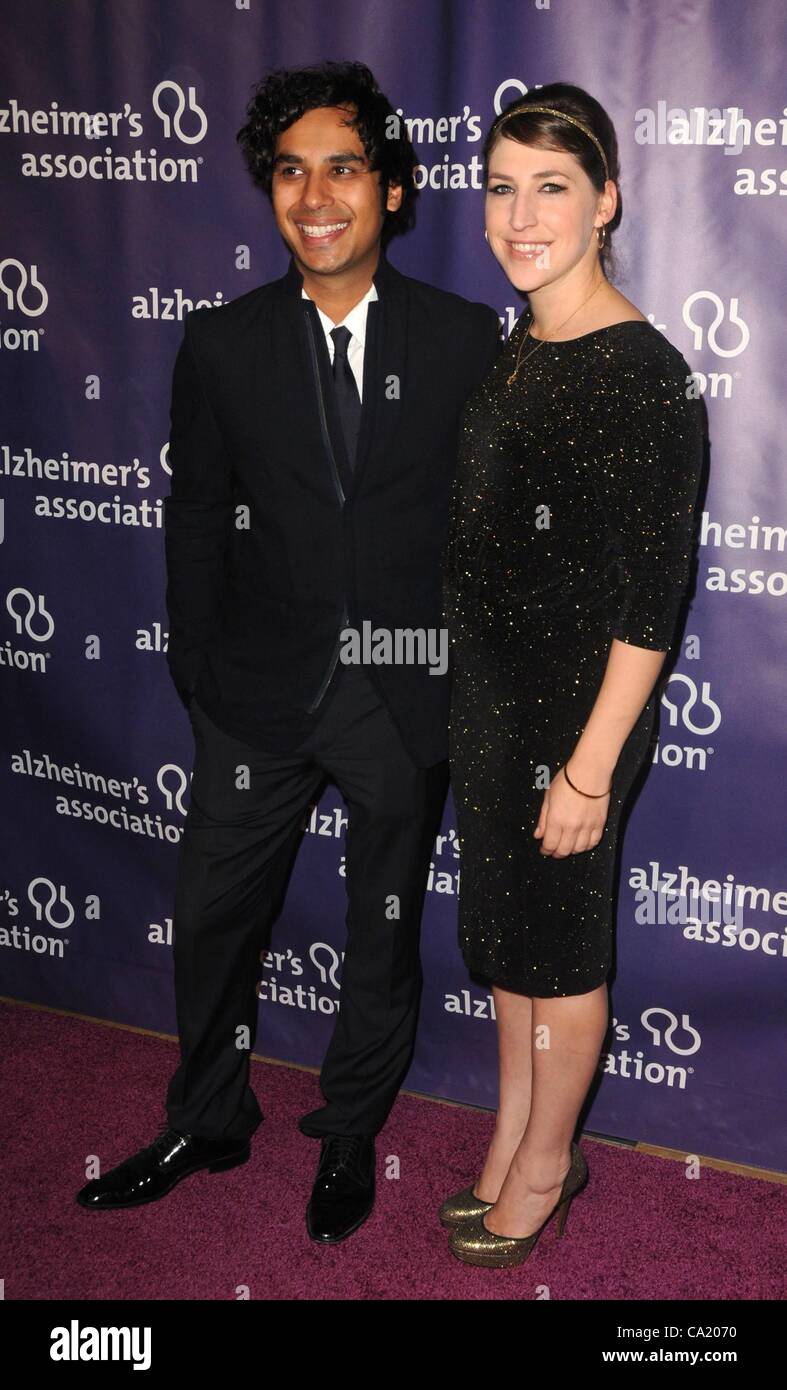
(474, 1244)
(463, 1206)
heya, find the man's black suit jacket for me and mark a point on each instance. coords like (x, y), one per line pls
(273, 543)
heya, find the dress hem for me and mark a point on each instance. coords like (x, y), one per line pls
(533, 990)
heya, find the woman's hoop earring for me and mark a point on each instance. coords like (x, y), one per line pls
(486, 234)
(602, 243)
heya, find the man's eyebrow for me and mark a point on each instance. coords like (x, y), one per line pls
(347, 157)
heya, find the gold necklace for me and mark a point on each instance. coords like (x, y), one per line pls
(541, 341)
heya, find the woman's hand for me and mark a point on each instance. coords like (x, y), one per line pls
(570, 822)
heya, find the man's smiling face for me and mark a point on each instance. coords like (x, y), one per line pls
(325, 197)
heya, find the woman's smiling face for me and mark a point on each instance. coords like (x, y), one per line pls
(541, 211)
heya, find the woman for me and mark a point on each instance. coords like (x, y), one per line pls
(567, 560)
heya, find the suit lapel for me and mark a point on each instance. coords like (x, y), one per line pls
(384, 372)
(284, 385)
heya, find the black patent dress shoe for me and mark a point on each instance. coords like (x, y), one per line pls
(152, 1172)
(343, 1192)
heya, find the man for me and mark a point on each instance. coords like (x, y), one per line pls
(313, 445)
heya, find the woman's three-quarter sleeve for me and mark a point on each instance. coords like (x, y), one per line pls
(646, 473)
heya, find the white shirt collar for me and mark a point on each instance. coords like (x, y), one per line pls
(355, 320)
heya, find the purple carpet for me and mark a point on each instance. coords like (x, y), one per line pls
(640, 1229)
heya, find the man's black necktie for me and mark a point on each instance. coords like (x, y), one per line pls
(347, 398)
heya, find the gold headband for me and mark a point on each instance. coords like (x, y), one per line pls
(550, 111)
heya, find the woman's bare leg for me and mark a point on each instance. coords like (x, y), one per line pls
(514, 1028)
(565, 1037)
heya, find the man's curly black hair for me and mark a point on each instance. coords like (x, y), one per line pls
(285, 95)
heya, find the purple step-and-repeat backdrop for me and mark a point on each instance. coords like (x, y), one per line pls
(125, 203)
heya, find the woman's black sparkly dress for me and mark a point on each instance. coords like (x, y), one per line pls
(571, 523)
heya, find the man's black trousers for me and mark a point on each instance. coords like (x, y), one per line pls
(233, 864)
